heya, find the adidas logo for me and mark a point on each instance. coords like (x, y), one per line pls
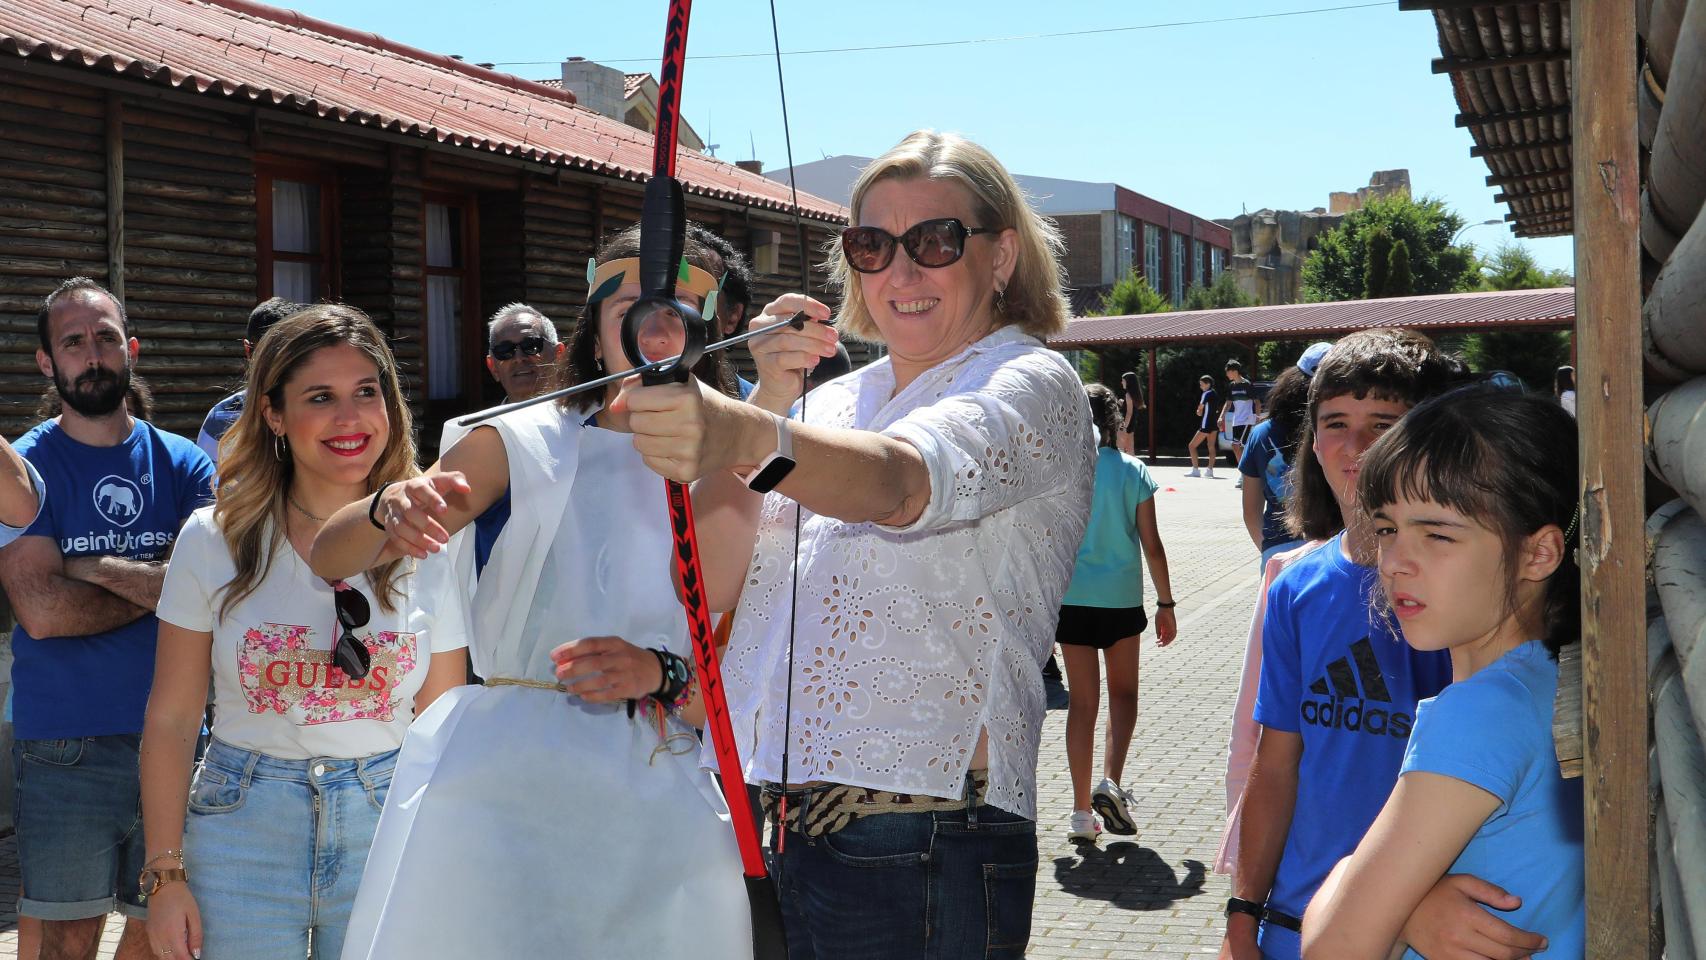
(1334, 711)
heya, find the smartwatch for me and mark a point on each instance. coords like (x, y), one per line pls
(774, 468)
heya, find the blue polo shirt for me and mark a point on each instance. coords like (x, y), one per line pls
(125, 501)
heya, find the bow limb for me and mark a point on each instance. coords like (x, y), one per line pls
(663, 232)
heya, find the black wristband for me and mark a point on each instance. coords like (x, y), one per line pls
(1168, 606)
(676, 677)
(1240, 905)
(374, 505)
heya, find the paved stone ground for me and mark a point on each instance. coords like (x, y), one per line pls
(1118, 899)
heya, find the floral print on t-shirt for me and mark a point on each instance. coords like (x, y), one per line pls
(285, 671)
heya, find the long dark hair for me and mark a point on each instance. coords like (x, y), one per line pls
(1503, 459)
(581, 363)
(1104, 413)
(1386, 363)
(1132, 388)
(1563, 379)
(1286, 403)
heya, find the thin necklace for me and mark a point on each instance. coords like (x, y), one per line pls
(298, 506)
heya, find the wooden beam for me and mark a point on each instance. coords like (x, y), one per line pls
(1618, 810)
(115, 194)
(1509, 197)
(1457, 65)
(1498, 150)
(1542, 114)
(1450, 4)
(1515, 178)
(1548, 216)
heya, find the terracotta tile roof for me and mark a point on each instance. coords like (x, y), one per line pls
(632, 82)
(247, 51)
(1298, 321)
(555, 83)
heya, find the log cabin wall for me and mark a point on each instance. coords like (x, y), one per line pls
(193, 233)
(1672, 98)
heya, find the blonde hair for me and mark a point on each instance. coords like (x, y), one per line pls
(254, 484)
(1034, 298)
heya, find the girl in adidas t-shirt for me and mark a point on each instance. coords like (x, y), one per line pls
(306, 723)
(1474, 504)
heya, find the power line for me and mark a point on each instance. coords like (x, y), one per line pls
(971, 41)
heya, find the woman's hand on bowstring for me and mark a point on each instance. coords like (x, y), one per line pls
(607, 669)
(410, 511)
(784, 357)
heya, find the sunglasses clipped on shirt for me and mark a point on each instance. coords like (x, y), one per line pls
(528, 346)
(930, 243)
(350, 654)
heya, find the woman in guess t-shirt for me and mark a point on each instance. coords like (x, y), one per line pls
(314, 683)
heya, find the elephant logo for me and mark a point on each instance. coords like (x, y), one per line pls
(118, 499)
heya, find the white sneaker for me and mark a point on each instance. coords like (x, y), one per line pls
(1084, 828)
(1240, 484)
(1196, 473)
(1209, 475)
(1113, 803)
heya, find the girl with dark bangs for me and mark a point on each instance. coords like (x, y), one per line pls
(1473, 499)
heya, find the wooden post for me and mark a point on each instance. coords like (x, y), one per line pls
(115, 195)
(1613, 549)
(1154, 401)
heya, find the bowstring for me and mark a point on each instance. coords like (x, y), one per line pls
(778, 838)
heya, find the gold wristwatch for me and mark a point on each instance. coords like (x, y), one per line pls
(151, 879)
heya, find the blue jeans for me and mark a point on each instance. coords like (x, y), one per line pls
(275, 849)
(951, 885)
(79, 821)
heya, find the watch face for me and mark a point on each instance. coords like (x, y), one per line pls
(773, 472)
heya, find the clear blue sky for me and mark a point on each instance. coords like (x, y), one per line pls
(1273, 112)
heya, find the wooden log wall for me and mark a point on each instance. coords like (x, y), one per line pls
(1674, 325)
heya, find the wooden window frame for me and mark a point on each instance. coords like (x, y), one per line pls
(330, 255)
(472, 332)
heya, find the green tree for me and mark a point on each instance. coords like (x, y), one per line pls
(1400, 281)
(1512, 267)
(1338, 268)
(1377, 272)
(1133, 294)
(1532, 355)
(1222, 294)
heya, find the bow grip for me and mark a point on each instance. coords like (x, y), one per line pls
(693, 328)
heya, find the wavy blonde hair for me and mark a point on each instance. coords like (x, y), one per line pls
(250, 501)
(1034, 299)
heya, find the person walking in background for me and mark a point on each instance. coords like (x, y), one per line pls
(226, 411)
(1132, 407)
(1103, 611)
(1564, 388)
(1208, 416)
(314, 682)
(1239, 413)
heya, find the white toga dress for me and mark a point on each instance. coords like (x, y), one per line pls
(524, 822)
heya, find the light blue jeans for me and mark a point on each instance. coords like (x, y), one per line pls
(275, 850)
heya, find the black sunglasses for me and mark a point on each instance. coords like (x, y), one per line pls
(350, 655)
(529, 347)
(930, 243)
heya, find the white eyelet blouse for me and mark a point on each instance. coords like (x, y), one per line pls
(911, 641)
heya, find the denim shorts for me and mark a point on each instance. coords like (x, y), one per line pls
(945, 885)
(79, 823)
(275, 849)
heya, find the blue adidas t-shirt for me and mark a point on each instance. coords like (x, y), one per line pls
(1348, 684)
(1494, 731)
(125, 501)
(1263, 461)
(1109, 571)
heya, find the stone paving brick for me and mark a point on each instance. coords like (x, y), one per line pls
(1116, 900)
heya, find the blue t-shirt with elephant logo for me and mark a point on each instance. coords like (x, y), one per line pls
(128, 501)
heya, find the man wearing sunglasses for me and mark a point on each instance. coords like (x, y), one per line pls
(522, 351)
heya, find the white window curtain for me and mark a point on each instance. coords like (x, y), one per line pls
(441, 223)
(296, 229)
(444, 306)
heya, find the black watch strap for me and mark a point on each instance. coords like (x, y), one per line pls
(1241, 905)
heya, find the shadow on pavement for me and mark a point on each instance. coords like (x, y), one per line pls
(1127, 876)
